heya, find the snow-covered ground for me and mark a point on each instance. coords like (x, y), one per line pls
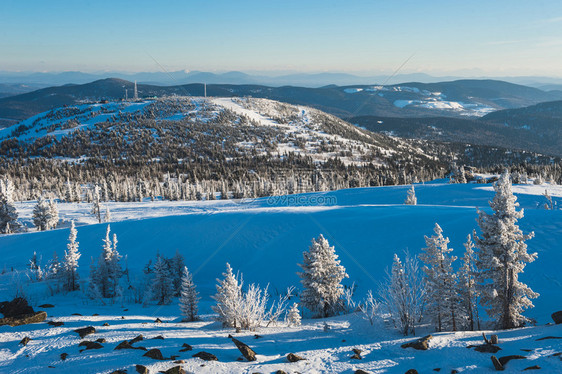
(264, 239)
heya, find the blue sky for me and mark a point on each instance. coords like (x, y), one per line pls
(469, 38)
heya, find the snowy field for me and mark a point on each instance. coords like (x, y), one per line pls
(264, 239)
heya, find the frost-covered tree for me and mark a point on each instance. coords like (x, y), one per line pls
(294, 316)
(8, 214)
(502, 256)
(228, 298)
(442, 297)
(321, 278)
(403, 294)
(71, 257)
(45, 214)
(411, 199)
(189, 297)
(177, 267)
(35, 267)
(466, 278)
(96, 205)
(107, 216)
(109, 268)
(54, 268)
(161, 289)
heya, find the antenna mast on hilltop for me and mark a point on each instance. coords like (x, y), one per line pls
(136, 94)
(205, 89)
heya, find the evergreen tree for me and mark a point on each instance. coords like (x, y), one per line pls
(96, 205)
(45, 214)
(53, 267)
(442, 304)
(467, 286)
(161, 290)
(189, 297)
(71, 257)
(35, 267)
(411, 199)
(321, 278)
(109, 269)
(177, 266)
(502, 256)
(294, 316)
(8, 214)
(228, 298)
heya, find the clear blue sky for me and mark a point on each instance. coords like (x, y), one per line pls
(493, 37)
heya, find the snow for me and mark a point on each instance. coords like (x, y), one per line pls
(264, 239)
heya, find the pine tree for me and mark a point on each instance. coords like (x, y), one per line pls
(109, 269)
(189, 297)
(502, 256)
(467, 286)
(35, 267)
(177, 266)
(107, 216)
(96, 206)
(71, 257)
(8, 214)
(442, 306)
(411, 199)
(53, 267)
(321, 278)
(294, 316)
(161, 289)
(45, 214)
(228, 298)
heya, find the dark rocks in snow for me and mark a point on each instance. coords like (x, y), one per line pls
(548, 337)
(158, 320)
(85, 331)
(141, 369)
(119, 371)
(293, 357)
(359, 371)
(63, 356)
(95, 315)
(46, 306)
(206, 356)
(76, 314)
(497, 365)
(437, 369)
(536, 367)
(246, 351)
(412, 371)
(505, 359)
(101, 340)
(137, 339)
(55, 323)
(90, 345)
(494, 339)
(280, 372)
(454, 371)
(557, 317)
(25, 340)
(24, 319)
(186, 347)
(154, 354)
(160, 337)
(256, 336)
(485, 348)
(15, 308)
(422, 344)
(526, 350)
(356, 354)
(175, 370)
(123, 345)
(105, 324)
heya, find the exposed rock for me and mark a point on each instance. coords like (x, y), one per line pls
(76, 314)
(256, 336)
(85, 331)
(454, 371)
(497, 364)
(46, 306)
(119, 371)
(55, 323)
(280, 372)
(437, 369)
(421, 344)
(494, 339)
(137, 339)
(105, 324)
(141, 369)
(63, 356)
(356, 354)
(158, 320)
(526, 350)
(95, 315)
(359, 371)
(123, 345)
(186, 347)
(557, 317)
(206, 356)
(173, 357)
(175, 370)
(246, 351)
(159, 337)
(25, 340)
(536, 367)
(122, 317)
(412, 371)
(180, 362)
(485, 348)
(15, 308)
(548, 337)
(293, 357)
(24, 319)
(154, 354)
(90, 345)
(505, 359)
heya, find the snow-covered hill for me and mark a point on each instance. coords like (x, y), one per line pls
(264, 239)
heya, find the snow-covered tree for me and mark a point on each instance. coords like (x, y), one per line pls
(411, 199)
(189, 297)
(403, 294)
(177, 267)
(8, 214)
(228, 298)
(54, 268)
(35, 267)
(466, 278)
(161, 289)
(109, 268)
(321, 278)
(45, 214)
(96, 205)
(442, 297)
(71, 257)
(502, 256)
(94, 282)
(294, 316)
(107, 216)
